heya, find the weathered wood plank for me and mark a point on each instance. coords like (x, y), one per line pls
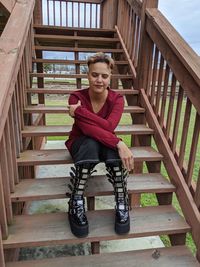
(56, 188)
(62, 156)
(65, 130)
(8, 4)
(54, 109)
(53, 228)
(178, 256)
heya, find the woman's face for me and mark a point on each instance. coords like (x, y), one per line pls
(99, 77)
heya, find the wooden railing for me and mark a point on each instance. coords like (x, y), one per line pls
(73, 13)
(168, 70)
(15, 66)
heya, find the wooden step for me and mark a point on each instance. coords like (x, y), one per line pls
(53, 228)
(77, 76)
(63, 38)
(56, 188)
(54, 109)
(62, 156)
(177, 256)
(56, 130)
(70, 62)
(76, 49)
(59, 30)
(69, 91)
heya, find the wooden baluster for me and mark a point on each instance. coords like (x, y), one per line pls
(184, 133)
(48, 22)
(177, 119)
(13, 145)
(171, 106)
(133, 38)
(17, 120)
(164, 98)
(66, 14)
(84, 15)
(90, 15)
(2, 259)
(96, 16)
(5, 180)
(8, 151)
(154, 78)
(72, 14)
(60, 7)
(159, 85)
(193, 150)
(54, 13)
(197, 193)
(3, 218)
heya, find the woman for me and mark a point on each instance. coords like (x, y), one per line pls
(97, 111)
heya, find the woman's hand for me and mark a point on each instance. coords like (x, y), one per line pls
(72, 108)
(125, 155)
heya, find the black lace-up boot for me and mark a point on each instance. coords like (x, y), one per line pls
(118, 177)
(77, 218)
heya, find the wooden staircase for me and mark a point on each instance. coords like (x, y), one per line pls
(53, 228)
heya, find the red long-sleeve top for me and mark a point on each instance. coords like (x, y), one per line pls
(99, 126)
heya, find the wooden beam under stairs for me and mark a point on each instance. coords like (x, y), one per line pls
(56, 188)
(53, 228)
(178, 256)
(57, 130)
(62, 156)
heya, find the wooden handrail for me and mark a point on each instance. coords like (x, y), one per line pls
(167, 69)
(8, 4)
(181, 58)
(12, 43)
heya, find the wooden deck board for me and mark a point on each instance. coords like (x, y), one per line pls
(57, 130)
(62, 156)
(64, 109)
(178, 256)
(53, 228)
(56, 188)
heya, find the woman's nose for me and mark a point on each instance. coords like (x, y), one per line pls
(99, 78)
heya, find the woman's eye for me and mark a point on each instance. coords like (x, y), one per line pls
(94, 74)
(105, 76)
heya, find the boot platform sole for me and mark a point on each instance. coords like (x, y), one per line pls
(122, 228)
(78, 230)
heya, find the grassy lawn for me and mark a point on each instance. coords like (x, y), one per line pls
(146, 199)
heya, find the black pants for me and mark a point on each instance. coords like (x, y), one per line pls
(87, 150)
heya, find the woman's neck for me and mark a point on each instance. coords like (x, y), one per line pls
(98, 97)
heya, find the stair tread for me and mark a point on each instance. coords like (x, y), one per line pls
(52, 37)
(56, 29)
(55, 188)
(77, 49)
(57, 130)
(64, 109)
(53, 228)
(62, 156)
(84, 76)
(178, 256)
(67, 61)
(69, 91)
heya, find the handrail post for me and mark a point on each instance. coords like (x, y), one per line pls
(2, 259)
(145, 49)
(38, 12)
(109, 10)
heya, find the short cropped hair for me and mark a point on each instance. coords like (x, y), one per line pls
(101, 57)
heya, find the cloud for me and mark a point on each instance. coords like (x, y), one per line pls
(184, 15)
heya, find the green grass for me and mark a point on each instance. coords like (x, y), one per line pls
(146, 199)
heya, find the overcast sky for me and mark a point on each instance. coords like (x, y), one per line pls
(184, 15)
